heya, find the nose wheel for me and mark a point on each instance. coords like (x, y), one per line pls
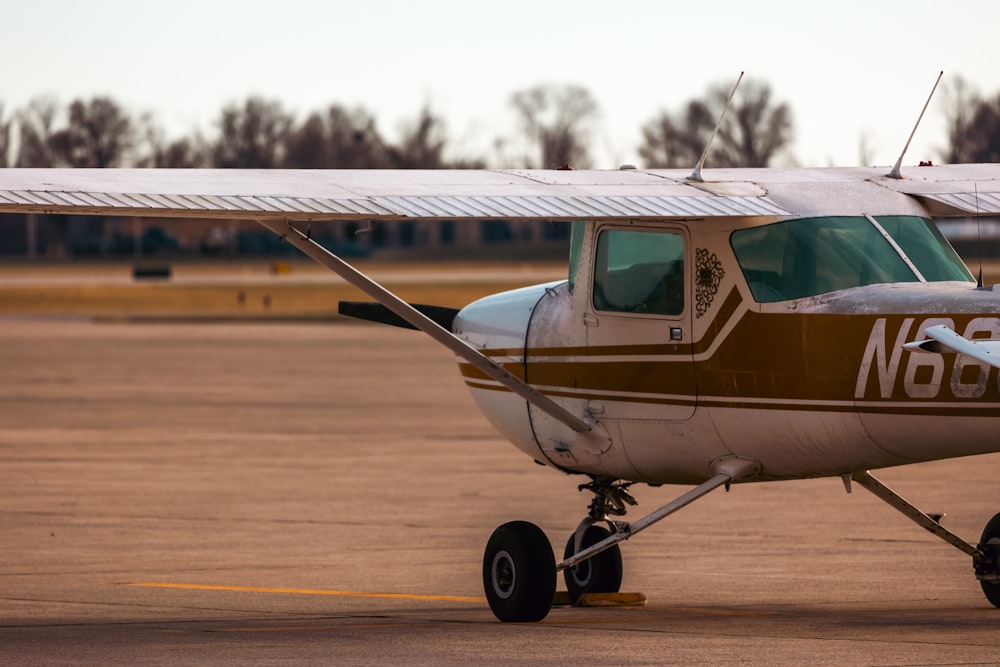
(599, 574)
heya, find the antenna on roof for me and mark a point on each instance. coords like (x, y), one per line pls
(899, 163)
(979, 232)
(696, 174)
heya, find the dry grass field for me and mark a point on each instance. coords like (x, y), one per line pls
(262, 290)
(258, 290)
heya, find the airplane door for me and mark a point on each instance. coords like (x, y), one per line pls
(639, 325)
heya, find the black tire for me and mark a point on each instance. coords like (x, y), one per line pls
(599, 574)
(519, 573)
(990, 543)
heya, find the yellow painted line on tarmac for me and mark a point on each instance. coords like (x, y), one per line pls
(308, 628)
(307, 591)
(348, 626)
(645, 618)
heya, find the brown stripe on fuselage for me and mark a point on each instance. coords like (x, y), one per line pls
(733, 302)
(590, 377)
(812, 359)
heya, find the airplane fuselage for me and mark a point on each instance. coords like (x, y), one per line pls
(812, 385)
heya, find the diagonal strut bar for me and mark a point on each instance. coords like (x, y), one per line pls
(323, 256)
(727, 470)
(890, 497)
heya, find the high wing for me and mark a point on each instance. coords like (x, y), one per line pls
(304, 195)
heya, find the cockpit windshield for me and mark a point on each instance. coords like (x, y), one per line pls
(799, 258)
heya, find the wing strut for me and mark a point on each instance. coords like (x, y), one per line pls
(894, 500)
(323, 256)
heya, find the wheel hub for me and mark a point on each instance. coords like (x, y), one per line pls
(504, 574)
(581, 573)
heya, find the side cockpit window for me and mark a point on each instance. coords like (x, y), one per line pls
(794, 259)
(639, 272)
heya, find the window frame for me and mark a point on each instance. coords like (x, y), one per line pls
(681, 271)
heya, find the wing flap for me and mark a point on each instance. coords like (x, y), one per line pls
(962, 204)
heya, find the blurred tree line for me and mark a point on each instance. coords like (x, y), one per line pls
(255, 134)
(556, 122)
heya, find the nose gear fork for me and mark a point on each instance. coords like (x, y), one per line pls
(602, 573)
(610, 499)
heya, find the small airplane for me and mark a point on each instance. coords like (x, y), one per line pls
(739, 326)
(750, 325)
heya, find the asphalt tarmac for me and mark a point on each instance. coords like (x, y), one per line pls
(321, 494)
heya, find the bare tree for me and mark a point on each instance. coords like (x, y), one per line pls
(36, 125)
(558, 120)
(973, 125)
(755, 130)
(306, 145)
(422, 144)
(340, 138)
(183, 153)
(5, 147)
(251, 136)
(673, 142)
(99, 134)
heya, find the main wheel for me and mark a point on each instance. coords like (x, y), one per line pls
(599, 574)
(990, 544)
(519, 573)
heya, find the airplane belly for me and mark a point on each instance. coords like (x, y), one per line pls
(928, 437)
(672, 452)
(800, 443)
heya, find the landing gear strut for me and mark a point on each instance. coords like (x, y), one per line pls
(518, 568)
(985, 556)
(603, 572)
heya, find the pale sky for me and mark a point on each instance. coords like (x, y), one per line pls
(848, 69)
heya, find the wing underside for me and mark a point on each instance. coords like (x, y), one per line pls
(370, 195)
(303, 195)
